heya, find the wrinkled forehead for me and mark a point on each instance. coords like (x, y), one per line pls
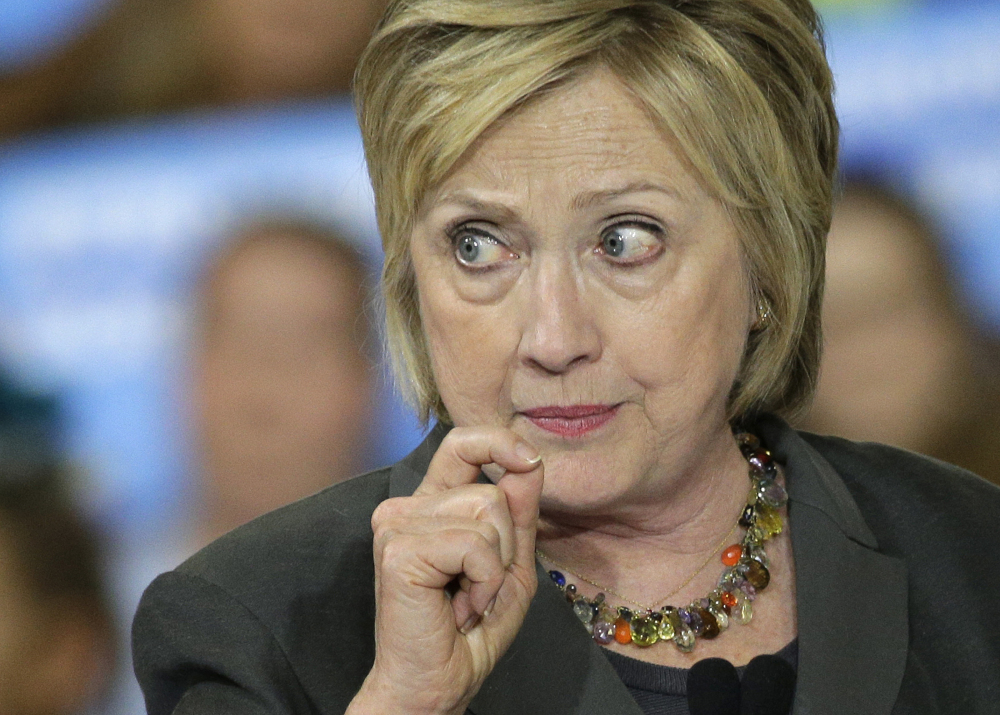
(591, 136)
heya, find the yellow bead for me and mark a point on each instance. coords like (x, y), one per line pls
(644, 631)
(768, 521)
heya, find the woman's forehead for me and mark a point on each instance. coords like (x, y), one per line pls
(592, 137)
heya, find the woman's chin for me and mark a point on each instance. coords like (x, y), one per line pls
(578, 483)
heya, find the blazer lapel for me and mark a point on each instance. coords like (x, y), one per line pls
(852, 600)
(553, 666)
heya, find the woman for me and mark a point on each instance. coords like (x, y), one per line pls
(604, 225)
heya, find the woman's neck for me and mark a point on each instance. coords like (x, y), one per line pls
(644, 547)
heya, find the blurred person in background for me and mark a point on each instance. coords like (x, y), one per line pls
(145, 57)
(283, 371)
(903, 363)
(57, 639)
(280, 399)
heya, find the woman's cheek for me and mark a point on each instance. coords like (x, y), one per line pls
(471, 351)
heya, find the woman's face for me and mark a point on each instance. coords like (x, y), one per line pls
(580, 286)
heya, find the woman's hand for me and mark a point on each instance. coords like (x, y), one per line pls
(454, 574)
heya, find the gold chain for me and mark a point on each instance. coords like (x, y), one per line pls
(663, 600)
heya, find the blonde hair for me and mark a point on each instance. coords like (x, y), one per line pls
(743, 86)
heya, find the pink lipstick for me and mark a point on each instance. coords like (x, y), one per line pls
(571, 420)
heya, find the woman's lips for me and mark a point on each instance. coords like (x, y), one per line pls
(571, 420)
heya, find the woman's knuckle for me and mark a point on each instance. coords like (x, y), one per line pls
(386, 510)
(395, 551)
(488, 499)
(455, 436)
(492, 535)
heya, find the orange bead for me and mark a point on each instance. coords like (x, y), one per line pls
(731, 556)
(623, 631)
(728, 599)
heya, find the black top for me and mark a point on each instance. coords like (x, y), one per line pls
(662, 690)
(897, 573)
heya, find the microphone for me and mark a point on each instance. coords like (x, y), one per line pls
(713, 688)
(768, 687)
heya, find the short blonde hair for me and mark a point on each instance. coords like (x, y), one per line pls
(743, 86)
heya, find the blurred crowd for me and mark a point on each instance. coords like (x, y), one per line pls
(139, 58)
(283, 346)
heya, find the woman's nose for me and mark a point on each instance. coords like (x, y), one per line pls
(559, 327)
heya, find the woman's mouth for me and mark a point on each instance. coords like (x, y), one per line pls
(571, 420)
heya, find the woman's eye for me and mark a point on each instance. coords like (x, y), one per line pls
(479, 250)
(630, 243)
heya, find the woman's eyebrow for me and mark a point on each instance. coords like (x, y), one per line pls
(463, 198)
(592, 198)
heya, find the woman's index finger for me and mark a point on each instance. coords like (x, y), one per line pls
(465, 450)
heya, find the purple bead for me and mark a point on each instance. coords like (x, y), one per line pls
(685, 615)
(697, 625)
(774, 495)
(759, 462)
(604, 633)
(748, 590)
(704, 603)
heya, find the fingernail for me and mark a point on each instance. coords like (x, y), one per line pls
(528, 453)
(489, 608)
(469, 624)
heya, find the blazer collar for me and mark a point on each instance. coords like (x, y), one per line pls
(852, 608)
(853, 622)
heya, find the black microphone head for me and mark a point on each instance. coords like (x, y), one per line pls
(768, 686)
(713, 688)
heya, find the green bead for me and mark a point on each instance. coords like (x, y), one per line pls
(684, 638)
(742, 612)
(607, 614)
(666, 630)
(720, 617)
(644, 631)
(583, 610)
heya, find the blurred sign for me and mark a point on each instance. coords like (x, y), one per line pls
(31, 29)
(918, 94)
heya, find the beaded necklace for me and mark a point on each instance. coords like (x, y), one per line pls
(662, 599)
(745, 574)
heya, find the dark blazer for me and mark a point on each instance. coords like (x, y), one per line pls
(897, 575)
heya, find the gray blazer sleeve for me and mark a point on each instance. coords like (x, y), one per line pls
(198, 651)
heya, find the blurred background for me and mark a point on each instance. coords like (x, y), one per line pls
(188, 254)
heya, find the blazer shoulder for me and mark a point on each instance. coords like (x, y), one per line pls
(305, 541)
(907, 493)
